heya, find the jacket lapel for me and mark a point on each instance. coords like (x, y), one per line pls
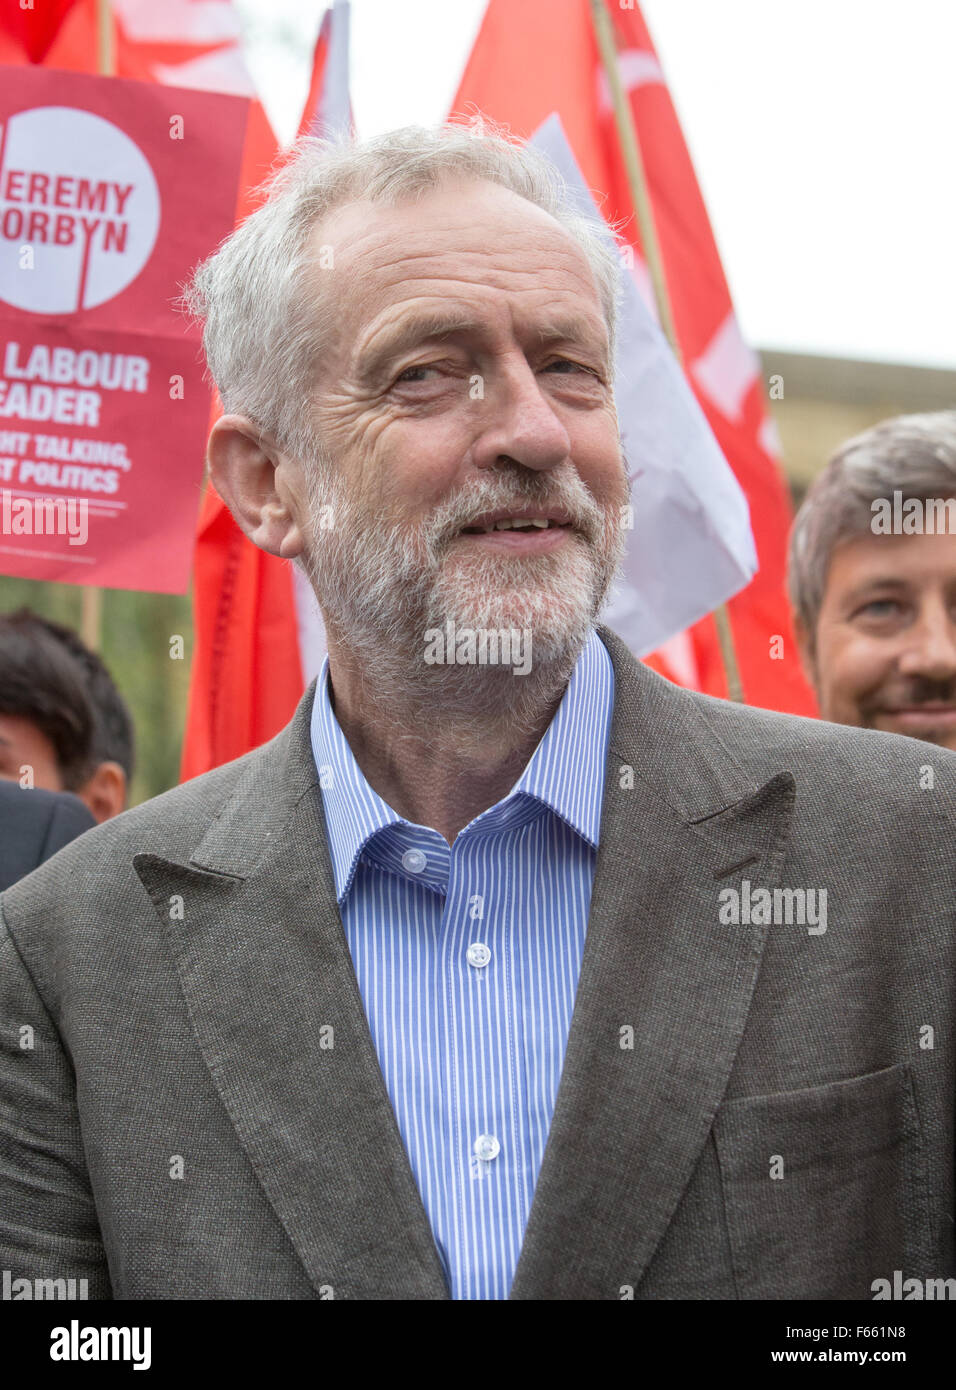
(267, 977)
(268, 981)
(680, 822)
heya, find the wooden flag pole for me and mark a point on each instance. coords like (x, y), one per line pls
(640, 196)
(91, 616)
(91, 596)
(105, 39)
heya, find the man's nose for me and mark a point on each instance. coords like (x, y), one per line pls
(931, 649)
(520, 422)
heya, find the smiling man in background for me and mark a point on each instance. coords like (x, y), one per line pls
(434, 996)
(873, 579)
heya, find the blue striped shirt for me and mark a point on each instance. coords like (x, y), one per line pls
(467, 958)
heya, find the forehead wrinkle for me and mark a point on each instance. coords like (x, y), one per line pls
(368, 233)
(516, 221)
(398, 269)
(372, 252)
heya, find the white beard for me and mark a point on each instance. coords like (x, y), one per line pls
(382, 587)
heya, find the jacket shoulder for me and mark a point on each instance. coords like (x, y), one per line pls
(837, 758)
(170, 825)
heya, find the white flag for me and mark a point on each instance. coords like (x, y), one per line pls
(691, 547)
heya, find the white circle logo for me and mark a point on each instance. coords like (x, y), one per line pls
(79, 210)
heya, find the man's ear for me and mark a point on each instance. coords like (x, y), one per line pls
(261, 486)
(105, 792)
(807, 649)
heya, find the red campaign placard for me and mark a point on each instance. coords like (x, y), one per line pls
(111, 191)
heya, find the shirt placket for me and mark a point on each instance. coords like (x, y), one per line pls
(480, 1067)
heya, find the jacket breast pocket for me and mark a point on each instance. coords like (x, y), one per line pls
(825, 1189)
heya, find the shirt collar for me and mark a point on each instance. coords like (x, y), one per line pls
(565, 772)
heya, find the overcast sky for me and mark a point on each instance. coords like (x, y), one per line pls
(822, 132)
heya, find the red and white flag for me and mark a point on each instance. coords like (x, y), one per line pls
(259, 638)
(535, 57)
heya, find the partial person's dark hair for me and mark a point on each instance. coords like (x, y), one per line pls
(113, 739)
(111, 736)
(40, 681)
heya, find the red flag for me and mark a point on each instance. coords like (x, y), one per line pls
(532, 57)
(34, 30)
(248, 673)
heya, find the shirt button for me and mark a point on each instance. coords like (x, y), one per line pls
(478, 954)
(486, 1146)
(414, 861)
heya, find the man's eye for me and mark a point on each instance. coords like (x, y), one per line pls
(415, 373)
(566, 366)
(879, 608)
(561, 362)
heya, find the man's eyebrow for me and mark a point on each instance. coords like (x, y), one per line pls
(877, 581)
(569, 328)
(415, 329)
(424, 327)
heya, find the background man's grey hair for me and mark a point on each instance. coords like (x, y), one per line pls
(911, 454)
(264, 326)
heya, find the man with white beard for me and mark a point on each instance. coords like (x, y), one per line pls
(305, 1023)
(425, 417)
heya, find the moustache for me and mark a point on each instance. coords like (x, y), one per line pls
(452, 516)
(918, 692)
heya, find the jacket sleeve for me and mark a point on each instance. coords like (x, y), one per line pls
(48, 1221)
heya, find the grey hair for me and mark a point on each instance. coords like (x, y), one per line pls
(911, 454)
(264, 330)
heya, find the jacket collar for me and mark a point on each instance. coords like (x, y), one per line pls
(265, 967)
